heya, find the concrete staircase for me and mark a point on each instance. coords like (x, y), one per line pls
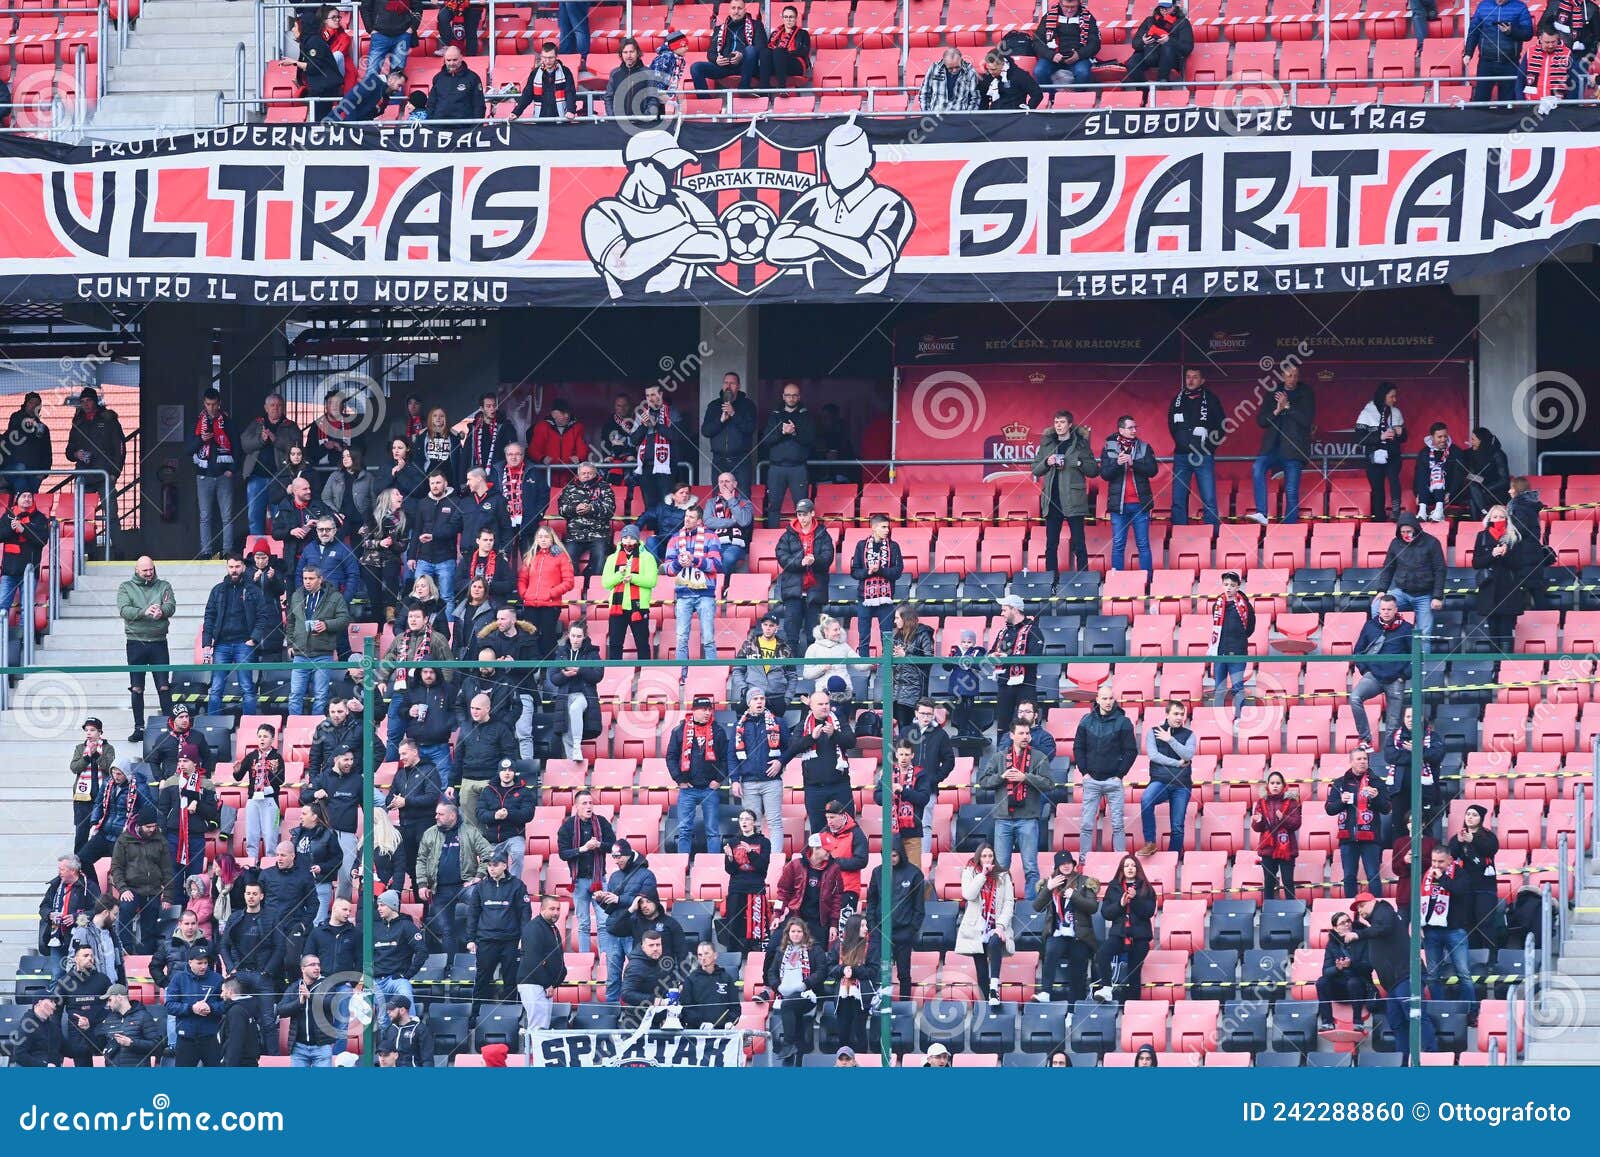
(179, 57)
(1568, 1032)
(45, 722)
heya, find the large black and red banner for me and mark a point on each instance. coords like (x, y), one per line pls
(1172, 203)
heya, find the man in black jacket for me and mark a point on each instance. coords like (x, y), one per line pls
(456, 95)
(289, 893)
(543, 964)
(729, 428)
(551, 91)
(127, 1032)
(1128, 465)
(1413, 575)
(1007, 85)
(482, 747)
(235, 620)
(935, 754)
(39, 1046)
(241, 1032)
(906, 885)
(483, 508)
(27, 443)
(822, 742)
(576, 687)
(710, 997)
(1389, 946)
(312, 1006)
(1104, 749)
(582, 841)
(1195, 422)
(414, 791)
(24, 535)
(407, 1042)
(368, 100)
(399, 950)
(805, 556)
(71, 894)
(696, 755)
(504, 810)
(1287, 422)
(786, 444)
(436, 531)
(252, 952)
(526, 491)
(650, 979)
(496, 911)
(517, 641)
(81, 989)
(340, 729)
(1018, 637)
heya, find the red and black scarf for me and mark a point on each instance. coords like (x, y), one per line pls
(1162, 22)
(219, 450)
(261, 773)
(415, 425)
(1018, 759)
(1130, 490)
(1052, 21)
(655, 449)
(1061, 899)
(1219, 612)
(1363, 827)
(629, 589)
(701, 735)
(482, 566)
(724, 36)
(1436, 900)
(1437, 460)
(1019, 646)
(131, 804)
(876, 589)
(988, 901)
(905, 816)
(774, 745)
(513, 491)
(482, 435)
(188, 785)
(784, 37)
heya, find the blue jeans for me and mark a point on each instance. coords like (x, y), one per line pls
(388, 986)
(395, 48)
(616, 949)
(1422, 605)
(311, 1057)
(745, 70)
(572, 23)
(442, 573)
(705, 801)
(10, 587)
(732, 555)
(589, 915)
(319, 673)
(1140, 521)
(1204, 474)
(394, 728)
(1365, 856)
(688, 605)
(1044, 72)
(437, 754)
(1395, 1012)
(1222, 674)
(1025, 834)
(1291, 468)
(1178, 800)
(224, 655)
(1442, 945)
(256, 493)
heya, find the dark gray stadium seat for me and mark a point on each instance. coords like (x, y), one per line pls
(1449, 1024)
(1367, 1059)
(903, 1026)
(1059, 635)
(11, 1018)
(1283, 924)
(1294, 1026)
(1457, 725)
(1264, 974)
(940, 919)
(1027, 929)
(1242, 1027)
(980, 590)
(1104, 635)
(1233, 924)
(936, 592)
(451, 1023)
(595, 1015)
(1354, 593)
(1094, 1027)
(1043, 1027)
(695, 916)
(35, 976)
(1036, 589)
(1277, 1060)
(1329, 1061)
(993, 1030)
(430, 981)
(944, 1022)
(1311, 590)
(1214, 975)
(499, 1024)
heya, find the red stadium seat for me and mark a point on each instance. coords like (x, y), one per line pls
(1144, 1022)
(1194, 1027)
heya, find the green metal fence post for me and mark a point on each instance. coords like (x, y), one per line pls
(369, 779)
(885, 883)
(1414, 1011)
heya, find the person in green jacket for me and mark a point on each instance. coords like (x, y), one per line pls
(451, 856)
(146, 604)
(1065, 460)
(630, 575)
(319, 619)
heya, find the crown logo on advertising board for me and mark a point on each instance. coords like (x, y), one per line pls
(1015, 432)
(1037, 377)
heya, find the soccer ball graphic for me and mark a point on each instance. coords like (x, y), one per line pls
(748, 224)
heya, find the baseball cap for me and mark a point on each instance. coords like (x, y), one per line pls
(93, 722)
(845, 1054)
(835, 808)
(1011, 601)
(1362, 898)
(398, 1000)
(499, 856)
(814, 842)
(656, 145)
(769, 617)
(937, 1049)
(703, 701)
(117, 990)
(804, 505)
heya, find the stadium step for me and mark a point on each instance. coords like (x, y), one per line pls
(1569, 1031)
(48, 708)
(179, 58)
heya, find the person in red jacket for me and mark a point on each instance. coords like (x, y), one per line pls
(1276, 817)
(559, 440)
(545, 580)
(847, 844)
(811, 886)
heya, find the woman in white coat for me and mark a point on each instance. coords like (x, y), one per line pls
(985, 930)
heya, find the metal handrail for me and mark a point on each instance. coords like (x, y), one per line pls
(1581, 816)
(53, 591)
(1546, 933)
(30, 587)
